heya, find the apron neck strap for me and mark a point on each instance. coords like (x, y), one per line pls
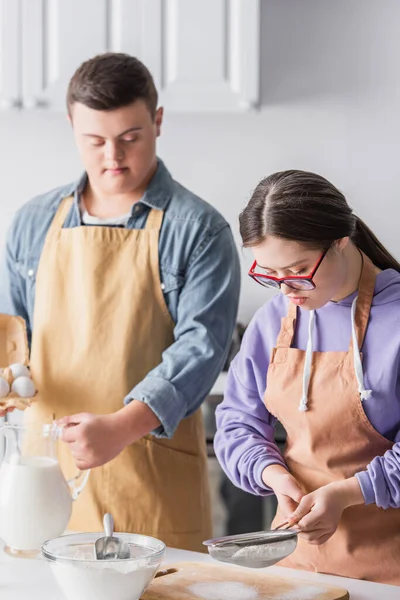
(154, 219)
(288, 327)
(364, 299)
(61, 214)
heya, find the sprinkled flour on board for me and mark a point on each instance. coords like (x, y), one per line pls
(227, 590)
(234, 590)
(308, 592)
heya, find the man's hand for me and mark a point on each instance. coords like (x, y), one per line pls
(7, 410)
(319, 513)
(285, 486)
(93, 439)
(96, 439)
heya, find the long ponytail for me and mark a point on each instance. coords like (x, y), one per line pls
(366, 240)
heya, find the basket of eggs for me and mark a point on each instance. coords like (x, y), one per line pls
(17, 389)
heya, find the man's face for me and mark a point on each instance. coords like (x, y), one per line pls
(117, 147)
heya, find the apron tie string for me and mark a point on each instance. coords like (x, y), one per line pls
(364, 394)
(307, 363)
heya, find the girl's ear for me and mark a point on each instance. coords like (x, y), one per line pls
(342, 243)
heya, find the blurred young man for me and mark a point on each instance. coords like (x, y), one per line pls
(129, 285)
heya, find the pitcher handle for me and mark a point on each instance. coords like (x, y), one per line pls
(77, 488)
(11, 439)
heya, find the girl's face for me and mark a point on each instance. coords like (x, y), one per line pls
(284, 258)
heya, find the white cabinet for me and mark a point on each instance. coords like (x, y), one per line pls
(10, 54)
(203, 54)
(57, 35)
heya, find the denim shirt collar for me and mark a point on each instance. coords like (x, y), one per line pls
(160, 189)
(157, 195)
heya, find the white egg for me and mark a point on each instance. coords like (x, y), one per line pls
(19, 370)
(4, 388)
(23, 387)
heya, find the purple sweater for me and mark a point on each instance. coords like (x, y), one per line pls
(244, 443)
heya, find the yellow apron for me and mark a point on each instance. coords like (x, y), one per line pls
(100, 325)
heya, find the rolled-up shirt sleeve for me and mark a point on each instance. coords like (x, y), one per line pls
(12, 291)
(206, 317)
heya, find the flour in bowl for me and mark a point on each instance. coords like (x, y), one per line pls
(101, 581)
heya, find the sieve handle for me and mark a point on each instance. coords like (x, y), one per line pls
(283, 525)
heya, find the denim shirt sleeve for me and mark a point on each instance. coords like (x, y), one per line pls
(12, 292)
(206, 317)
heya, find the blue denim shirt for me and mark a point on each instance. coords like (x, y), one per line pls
(200, 275)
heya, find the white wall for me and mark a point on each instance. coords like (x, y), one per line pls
(330, 103)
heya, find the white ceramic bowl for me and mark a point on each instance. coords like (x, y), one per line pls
(81, 577)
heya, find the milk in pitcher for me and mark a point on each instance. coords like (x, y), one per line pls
(35, 501)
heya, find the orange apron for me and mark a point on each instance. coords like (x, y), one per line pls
(100, 325)
(332, 441)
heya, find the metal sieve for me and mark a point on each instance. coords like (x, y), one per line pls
(256, 550)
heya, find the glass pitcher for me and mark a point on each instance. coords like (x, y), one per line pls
(35, 498)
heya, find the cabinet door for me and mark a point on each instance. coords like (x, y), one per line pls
(10, 56)
(204, 55)
(57, 36)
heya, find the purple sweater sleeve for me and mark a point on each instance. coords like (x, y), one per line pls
(244, 442)
(380, 482)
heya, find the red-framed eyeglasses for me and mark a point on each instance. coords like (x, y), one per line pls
(296, 282)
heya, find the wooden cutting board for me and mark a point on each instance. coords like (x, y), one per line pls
(202, 581)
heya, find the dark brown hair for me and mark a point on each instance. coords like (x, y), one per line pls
(112, 80)
(305, 207)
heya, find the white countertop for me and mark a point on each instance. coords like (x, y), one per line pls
(22, 579)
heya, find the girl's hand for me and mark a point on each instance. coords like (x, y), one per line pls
(318, 514)
(286, 488)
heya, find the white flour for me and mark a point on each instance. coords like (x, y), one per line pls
(265, 551)
(233, 590)
(102, 581)
(229, 590)
(308, 592)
